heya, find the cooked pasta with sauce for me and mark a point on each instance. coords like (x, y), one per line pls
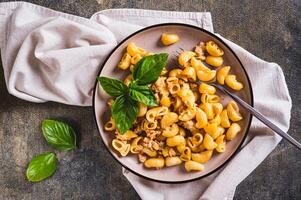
(189, 124)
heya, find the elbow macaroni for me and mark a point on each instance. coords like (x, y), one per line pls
(168, 39)
(191, 122)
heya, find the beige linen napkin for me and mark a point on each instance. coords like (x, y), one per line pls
(51, 56)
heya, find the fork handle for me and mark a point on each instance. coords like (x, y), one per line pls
(261, 117)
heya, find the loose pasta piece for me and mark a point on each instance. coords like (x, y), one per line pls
(156, 163)
(188, 73)
(171, 131)
(175, 141)
(172, 85)
(151, 114)
(133, 50)
(128, 135)
(214, 61)
(172, 161)
(169, 39)
(147, 125)
(206, 75)
(217, 108)
(208, 109)
(125, 61)
(169, 119)
(233, 111)
(211, 129)
(233, 83)
(187, 96)
(213, 49)
(202, 157)
(209, 142)
(205, 88)
(185, 57)
(210, 98)
(122, 147)
(149, 152)
(232, 131)
(135, 59)
(225, 122)
(186, 154)
(110, 125)
(201, 118)
(222, 74)
(175, 73)
(187, 114)
(197, 139)
(193, 166)
(221, 144)
(135, 147)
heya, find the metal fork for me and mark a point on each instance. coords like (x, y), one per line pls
(259, 116)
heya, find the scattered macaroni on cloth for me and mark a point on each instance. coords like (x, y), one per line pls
(51, 56)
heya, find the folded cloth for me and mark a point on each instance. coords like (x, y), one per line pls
(51, 56)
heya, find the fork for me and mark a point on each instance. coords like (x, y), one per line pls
(258, 115)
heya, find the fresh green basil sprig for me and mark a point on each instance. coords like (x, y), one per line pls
(124, 108)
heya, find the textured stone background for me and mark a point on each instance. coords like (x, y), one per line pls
(269, 29)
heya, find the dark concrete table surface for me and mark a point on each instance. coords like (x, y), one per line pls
(270, 29)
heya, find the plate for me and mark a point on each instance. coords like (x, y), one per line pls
(149, 39)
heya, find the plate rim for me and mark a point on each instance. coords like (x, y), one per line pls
(212, 35)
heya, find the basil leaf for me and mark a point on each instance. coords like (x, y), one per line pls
(41, 167)
(124, 112)
(59, 135)
(143, 94)
(113, 87)
(148, 69)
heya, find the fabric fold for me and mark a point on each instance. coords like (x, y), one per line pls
(40, 54)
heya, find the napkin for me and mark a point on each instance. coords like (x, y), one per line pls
(51, 56)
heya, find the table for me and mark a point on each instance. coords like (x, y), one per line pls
(269, 29)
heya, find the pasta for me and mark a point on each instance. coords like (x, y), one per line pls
(193, 166)
(214, 61)
(168, 39)
(213, 49)
(110, 125)
(233, 111)
(125, 61)
(185, 57)
(175, 140)
(169, 119)
(206, 89)
(133, 50)
(172, 161)
(233, 83)
(232, 131)
(222, 74)
(191, 123)
(156, 163)
(202, 157)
